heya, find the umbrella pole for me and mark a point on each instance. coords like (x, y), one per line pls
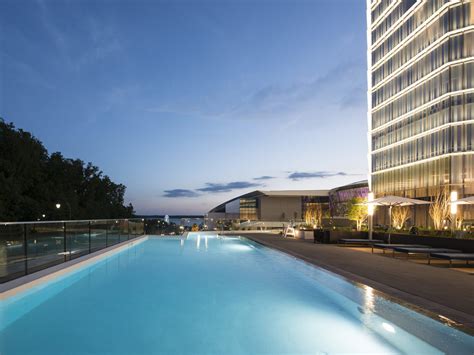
(371, 226)
(389, 222)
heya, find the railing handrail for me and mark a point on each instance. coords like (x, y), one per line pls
(74, 221)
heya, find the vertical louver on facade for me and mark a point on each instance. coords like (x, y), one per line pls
(421, 96)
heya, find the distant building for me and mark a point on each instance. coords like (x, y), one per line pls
(271, 206)
(421, 99)
(340, 196)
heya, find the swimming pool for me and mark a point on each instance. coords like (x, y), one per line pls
(213, 295)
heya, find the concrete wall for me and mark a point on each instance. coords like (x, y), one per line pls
(272, 208)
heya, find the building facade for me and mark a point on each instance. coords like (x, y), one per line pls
(268, 206)
(421, 98)
(340, 196)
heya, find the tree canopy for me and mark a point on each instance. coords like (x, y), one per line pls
(32, 182)
(356, 211)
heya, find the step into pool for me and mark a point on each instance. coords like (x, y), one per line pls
(214, 295)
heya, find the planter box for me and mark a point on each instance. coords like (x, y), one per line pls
(466, 245)
(308, 235)
(321, 236)
(333, 236)
(304, 234)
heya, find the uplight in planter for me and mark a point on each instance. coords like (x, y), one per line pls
(454, 205)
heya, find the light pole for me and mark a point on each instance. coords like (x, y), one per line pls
(454, 210)
(58, 206)
(370, 212)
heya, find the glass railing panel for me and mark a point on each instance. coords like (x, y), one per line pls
(123, 227)
(98, 235)
(136, 227)
(131, 229)
(12, 252)
(45, 245)
(32, 246)
(113, 233)
(77, 239)
(140, 227)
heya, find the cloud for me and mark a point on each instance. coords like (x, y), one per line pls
(312, 95)
(102, 40)
(180, 193)
(264, 177)
(289, 103)
(57, 36)
(236, 185)
(96, 41)
(315, 175)
(118, 96)
(214, 188)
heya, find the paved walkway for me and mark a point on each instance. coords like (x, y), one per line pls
(442, 291)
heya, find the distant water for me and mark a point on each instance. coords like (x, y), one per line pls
(180, 221)
(187, 222)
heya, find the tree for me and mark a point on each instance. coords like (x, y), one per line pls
(23, 185)
(399, 216)
(439, 208)
(314, 214)
(32, 182)
(356, 211)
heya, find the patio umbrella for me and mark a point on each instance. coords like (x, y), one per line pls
(394, 201)
(465, 201)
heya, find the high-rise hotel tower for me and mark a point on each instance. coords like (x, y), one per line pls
(421, 97)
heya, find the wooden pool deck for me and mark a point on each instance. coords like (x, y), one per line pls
(438, 290)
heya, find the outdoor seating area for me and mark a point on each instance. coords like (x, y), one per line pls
(418, 253)
(442, 208)
(392, 246)
(453, 256)
(359, 242)
(451, 244)
(422, 251)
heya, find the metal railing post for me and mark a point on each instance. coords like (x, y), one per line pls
(90, 245)
(25, 249)
(65, 245)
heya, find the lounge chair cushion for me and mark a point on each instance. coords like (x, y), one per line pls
(453, 256)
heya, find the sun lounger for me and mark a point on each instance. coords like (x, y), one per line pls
(427, 251)
(359, 242)
(391, 246)
(453, 256)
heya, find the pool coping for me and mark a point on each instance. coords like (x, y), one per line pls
(24, 283)
(418, 304)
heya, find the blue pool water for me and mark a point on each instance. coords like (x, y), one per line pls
(213, 295)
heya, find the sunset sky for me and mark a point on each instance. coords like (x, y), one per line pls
(190, 103)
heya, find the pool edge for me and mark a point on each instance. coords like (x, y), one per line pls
(22, 284)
